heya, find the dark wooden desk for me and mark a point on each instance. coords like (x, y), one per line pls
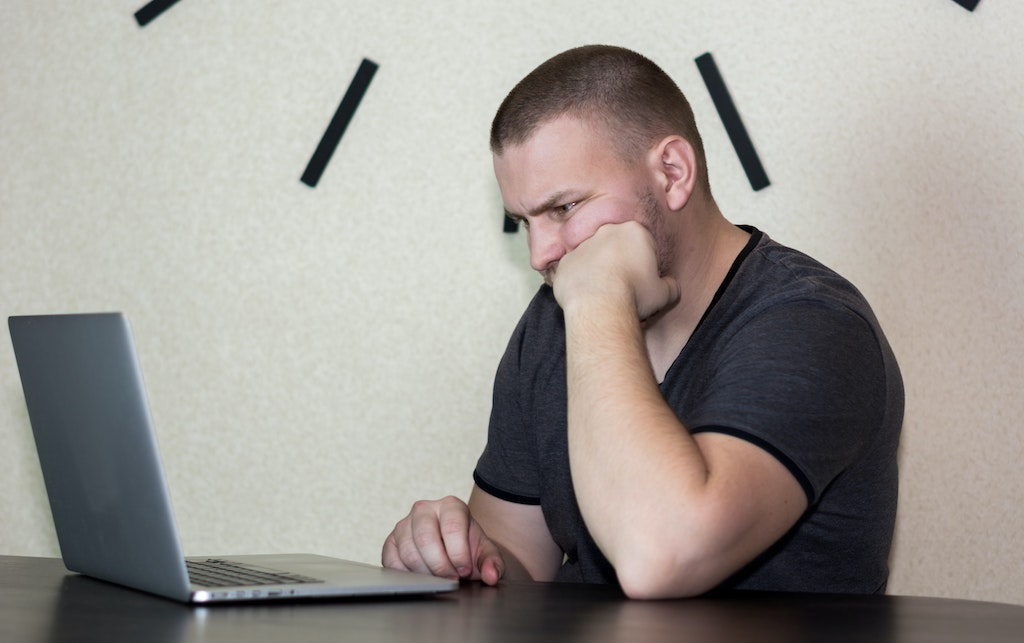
(40, 601)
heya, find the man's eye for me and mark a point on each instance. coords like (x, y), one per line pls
(566, 207)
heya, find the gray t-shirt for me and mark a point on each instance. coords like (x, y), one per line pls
(790, 357)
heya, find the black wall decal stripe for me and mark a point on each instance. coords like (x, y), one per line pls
(356, 90)
(152, 11)
(970, 5)
(733, 124)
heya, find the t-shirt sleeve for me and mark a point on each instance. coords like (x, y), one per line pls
(806, 382)
(503, 468)
(508, 468)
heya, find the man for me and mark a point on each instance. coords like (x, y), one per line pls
(685, 405)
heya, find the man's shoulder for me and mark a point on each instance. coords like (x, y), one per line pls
(771, 257)
(774, 272)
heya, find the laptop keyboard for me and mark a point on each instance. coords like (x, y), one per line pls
(223, 573)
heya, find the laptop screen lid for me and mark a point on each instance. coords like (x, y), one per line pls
(108, 495)
(103, 476)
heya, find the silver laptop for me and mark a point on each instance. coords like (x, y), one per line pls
(108, 495)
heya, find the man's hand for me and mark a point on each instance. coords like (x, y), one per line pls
(617, 264)
(441, 538)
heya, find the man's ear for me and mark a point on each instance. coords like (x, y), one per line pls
(675, 167)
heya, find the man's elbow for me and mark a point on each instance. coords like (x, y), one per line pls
(654, 576)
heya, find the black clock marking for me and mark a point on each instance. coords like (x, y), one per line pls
(152, 11)
(356, 90)
(733, 124)
(970, 5)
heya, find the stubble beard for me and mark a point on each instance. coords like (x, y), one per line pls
(664, 236)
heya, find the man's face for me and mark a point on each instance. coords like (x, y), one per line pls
(564, 183)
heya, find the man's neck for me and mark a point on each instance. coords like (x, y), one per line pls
(706, 252)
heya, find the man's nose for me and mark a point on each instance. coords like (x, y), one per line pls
(546, 246)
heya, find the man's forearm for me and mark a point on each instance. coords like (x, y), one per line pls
(627, 448)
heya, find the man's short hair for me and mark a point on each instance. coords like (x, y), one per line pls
(619, 90)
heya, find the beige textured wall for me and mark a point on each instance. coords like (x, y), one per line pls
(319, 358)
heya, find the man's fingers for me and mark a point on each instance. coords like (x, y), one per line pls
(666, 294)
(428, 542)
(401, 551)
(389, 553)
(454, 524)
(437, 537)
(489, 561)
(620, 260)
